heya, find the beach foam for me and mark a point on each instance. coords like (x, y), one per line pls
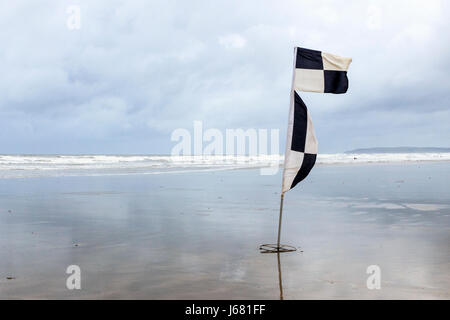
(21, 166)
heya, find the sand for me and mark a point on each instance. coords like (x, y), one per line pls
(196, 235)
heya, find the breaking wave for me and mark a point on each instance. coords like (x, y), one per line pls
(22, 166)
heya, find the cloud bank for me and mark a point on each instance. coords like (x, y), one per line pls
(137, 70)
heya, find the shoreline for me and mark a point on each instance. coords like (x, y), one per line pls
(200, 170)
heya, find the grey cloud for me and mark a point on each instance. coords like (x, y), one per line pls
(137, 70)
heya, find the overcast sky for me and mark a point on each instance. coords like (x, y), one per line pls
(137, 70)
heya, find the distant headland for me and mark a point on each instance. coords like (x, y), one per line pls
(399, 150)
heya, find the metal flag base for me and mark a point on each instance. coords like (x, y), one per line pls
(274, 248)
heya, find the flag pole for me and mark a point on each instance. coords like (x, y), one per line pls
(279, 220)
(278, 247)
(273, 248)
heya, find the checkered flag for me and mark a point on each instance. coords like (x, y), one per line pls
(314, 71)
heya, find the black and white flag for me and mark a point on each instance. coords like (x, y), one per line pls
(314, 71)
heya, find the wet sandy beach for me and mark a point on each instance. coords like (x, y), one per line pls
(196, 235)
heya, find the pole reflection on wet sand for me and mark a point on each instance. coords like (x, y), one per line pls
(280, 278)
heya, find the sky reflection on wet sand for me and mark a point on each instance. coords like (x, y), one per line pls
(196, 235)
